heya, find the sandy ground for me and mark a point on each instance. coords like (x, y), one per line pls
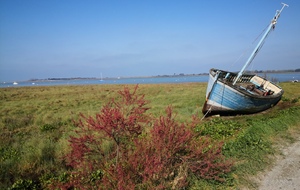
(285, 174)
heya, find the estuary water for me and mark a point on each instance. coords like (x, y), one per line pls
(276, 77)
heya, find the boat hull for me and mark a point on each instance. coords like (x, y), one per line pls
(224, 98)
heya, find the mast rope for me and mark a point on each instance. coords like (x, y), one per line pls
(249, 47)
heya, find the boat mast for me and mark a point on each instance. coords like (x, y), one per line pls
(261, 42)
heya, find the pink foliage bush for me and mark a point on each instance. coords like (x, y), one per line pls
(122, 147)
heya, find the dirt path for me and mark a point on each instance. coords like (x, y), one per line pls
(285, 175)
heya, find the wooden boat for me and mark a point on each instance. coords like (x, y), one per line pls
(239, 93)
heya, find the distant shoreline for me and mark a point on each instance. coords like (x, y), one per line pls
(181, 78)
(157, 76)
(34, 80)
(114, 78)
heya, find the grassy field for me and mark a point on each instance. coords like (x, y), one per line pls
(37, 121)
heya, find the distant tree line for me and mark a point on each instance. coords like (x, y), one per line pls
(277, 71)
(72, 78)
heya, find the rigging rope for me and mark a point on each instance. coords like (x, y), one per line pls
(249, 47)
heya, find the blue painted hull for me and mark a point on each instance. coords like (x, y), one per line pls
(224, 98)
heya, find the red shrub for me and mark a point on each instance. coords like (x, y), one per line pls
(160, 158)
(172, 151)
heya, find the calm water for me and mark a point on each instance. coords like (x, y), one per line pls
(280, 77)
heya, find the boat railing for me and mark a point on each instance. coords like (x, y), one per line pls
(244, 79)
(230, 78)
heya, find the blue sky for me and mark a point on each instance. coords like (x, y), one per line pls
(76, 38)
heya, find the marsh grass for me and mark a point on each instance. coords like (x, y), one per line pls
(251, 141)
(36, 123)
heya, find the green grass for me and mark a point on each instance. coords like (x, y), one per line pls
(36, 122)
